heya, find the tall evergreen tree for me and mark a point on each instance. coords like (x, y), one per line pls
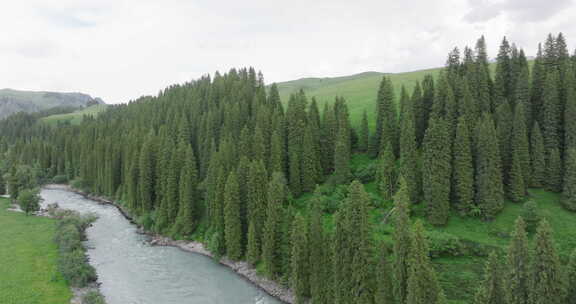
(423, 286)
(387, 174)
(364, 140)
(271, 234)
(188, 209)
(384, 290)
(386, 118)
(437, 171)
(342, 157)
(571, 279)
(554, 171)
(463, 169)
(538, 160)
(402, 243)
(489, 188)
(300, 259)
(491, 290)
(232, 220)
(547, 278)
(517, 278)
(409, 153)
(569, 190)
(320, 263)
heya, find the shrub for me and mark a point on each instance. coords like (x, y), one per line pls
(60, 179)
(29, 200)
(75, 268)
(367, 173)
(93, 297)
(531, 215)
(442, 243)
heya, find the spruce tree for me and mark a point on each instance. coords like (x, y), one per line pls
(300, 259)
(277, 154)
(386, 117)
(271, 236)
(310, 162)
(538, 160)
(253, 244)
(342, 157)
(188, 209)
(147, 176)
(232, 220)
(463, 173)
(517, 278)
(491, 290)
(554, 171)
(409, 153)
(437, 171)
(569, 190)
(489, 188)
(548, 283)
(570, 111)
(387, 174)
(550, 121)
(402, 243)
(384, 291)
(364, 140)
(520, 143)
(571, 279)
(423, 286)
(320, 267)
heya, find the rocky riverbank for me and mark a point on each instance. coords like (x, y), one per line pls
(242, 268)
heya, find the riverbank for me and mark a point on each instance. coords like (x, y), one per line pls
(244, 269)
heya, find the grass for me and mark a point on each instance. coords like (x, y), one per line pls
(74, 118)
(28, 272)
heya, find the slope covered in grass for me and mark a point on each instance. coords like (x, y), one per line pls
(75, 118)
(28, 271)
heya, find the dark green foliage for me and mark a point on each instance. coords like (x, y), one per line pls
(402, 243)
(386, 118)
(409, 164)
(232, 220)
(320, 263)
(437, 170)
(531, 215)
(491, 290)
(550, 120)
(364, 139)
(463, 170)
(569, 190)
(554, 171)
(387, 174)
(271, 238)
(188, 206)
(570, 111)
(520, 151)
(517, 277)
(384, 290)
(571, 279)
(504, 125)
(300, 259)
(548, 284)
(146, 173)
(538, 160)
(93, 297)
(29, 200)
(489, 188)
(310, 162)
(423, 286)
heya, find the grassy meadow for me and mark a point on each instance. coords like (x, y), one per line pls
(75, 118)
(28, 272)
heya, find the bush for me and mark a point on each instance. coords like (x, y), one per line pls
(93, 297)
(75, 268)
(80, 184)
(68, 239)
(29, 200)
(442, 243)
(367, 173)
(531, 215)
(60, 179)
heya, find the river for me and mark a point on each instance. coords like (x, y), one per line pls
(133, 272)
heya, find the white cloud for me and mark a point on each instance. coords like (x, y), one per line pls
(121, 49)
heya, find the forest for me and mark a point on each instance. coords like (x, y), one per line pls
(223, 160)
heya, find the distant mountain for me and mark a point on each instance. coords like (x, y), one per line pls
(13, 101)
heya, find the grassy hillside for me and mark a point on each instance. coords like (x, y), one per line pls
(28, 272)
(359, 90)
(13, 101)
(75, 117)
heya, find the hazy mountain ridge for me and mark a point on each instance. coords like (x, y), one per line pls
(14, 101)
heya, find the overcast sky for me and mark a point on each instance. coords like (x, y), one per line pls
(121, 49)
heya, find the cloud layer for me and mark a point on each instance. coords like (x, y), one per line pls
(121, 49)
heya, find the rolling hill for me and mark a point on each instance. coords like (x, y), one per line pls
(76, 117)
(13, 101)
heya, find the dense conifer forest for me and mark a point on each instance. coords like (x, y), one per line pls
(223, 160)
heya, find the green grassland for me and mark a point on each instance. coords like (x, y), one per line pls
(28, 271)
(76, 117)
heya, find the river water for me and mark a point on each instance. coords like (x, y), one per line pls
(133, 272)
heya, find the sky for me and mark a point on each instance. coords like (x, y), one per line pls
(122, 49)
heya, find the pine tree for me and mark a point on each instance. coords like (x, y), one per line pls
(550, 120)
(387, 174)
(570, 111)
(300, 260)
(342, 157)
(538, 160)
(384, 291)
(437, 171)
(232, 220)
(571, 282)
(147, 176)
(554, 171)
(310, 162)
(253, 245)
(277, 154)
(271, 236)
(402, 243)
(386, 117)
(520, 144)
(463, 174)
(364, 140)
(423, 286)
(517, 277)
(547, 278)
(409, 153)
(516, 187)
(257, 181)
(491, 289)
(504, 120)
(320, 263)
(569, 190)
(489, 188)
(188, 210)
